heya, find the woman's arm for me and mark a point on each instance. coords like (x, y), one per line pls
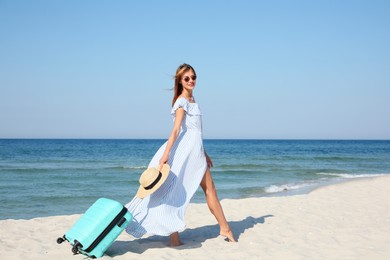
(174, 134)
(208, 160)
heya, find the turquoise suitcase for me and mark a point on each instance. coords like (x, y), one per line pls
(98, 228)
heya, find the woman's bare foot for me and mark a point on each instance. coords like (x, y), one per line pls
(174, 240)
(228, 235)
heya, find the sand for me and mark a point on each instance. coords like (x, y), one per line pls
(349, 220)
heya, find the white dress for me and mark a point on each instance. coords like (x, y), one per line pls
(162, 213)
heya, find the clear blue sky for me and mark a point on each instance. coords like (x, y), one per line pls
(266, 69)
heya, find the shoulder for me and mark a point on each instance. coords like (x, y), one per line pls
(181, 102)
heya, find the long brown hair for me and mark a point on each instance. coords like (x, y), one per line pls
(178, 87)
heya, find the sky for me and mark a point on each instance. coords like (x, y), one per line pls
(266, 69)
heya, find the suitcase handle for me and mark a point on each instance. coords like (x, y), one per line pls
(120, 223)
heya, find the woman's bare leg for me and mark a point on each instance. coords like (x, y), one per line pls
(215, 207)
(174, 240)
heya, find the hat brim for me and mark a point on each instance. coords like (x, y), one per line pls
(142, 192)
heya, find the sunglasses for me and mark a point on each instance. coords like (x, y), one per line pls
(186, 79)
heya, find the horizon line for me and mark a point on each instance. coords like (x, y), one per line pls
(222, 139)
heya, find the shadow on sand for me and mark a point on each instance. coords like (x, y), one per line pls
(191, 237)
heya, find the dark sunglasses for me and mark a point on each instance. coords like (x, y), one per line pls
(186, 79)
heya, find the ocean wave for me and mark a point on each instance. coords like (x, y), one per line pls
(242, 168)
(126, 167)
(313, 183)
(337, 158)
(351, 175)
(286, 187)
(50, 168)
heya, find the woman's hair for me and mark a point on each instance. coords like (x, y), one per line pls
(178, 87)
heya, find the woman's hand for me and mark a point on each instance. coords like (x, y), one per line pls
(209, 161)
(163, 160)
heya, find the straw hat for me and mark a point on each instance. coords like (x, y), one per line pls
(151, 180)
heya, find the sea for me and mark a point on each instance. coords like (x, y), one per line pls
(48, 177)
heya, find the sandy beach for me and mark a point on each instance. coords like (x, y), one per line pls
(349, 220)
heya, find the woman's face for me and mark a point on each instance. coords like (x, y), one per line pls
(188, 80)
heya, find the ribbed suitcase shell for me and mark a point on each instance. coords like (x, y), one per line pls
(104, 214)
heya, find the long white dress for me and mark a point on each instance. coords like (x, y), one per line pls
(162, 213)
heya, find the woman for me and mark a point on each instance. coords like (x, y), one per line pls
(162, 213)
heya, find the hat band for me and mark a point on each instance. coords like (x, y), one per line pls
(155, 182)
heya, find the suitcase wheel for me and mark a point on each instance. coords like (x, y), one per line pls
(60, 240)
(76, 246)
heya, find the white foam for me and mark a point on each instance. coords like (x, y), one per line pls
(285, 187)
(314, 183)
(134, 167)
(350, 176)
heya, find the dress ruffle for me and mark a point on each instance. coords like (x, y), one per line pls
(187, 106)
